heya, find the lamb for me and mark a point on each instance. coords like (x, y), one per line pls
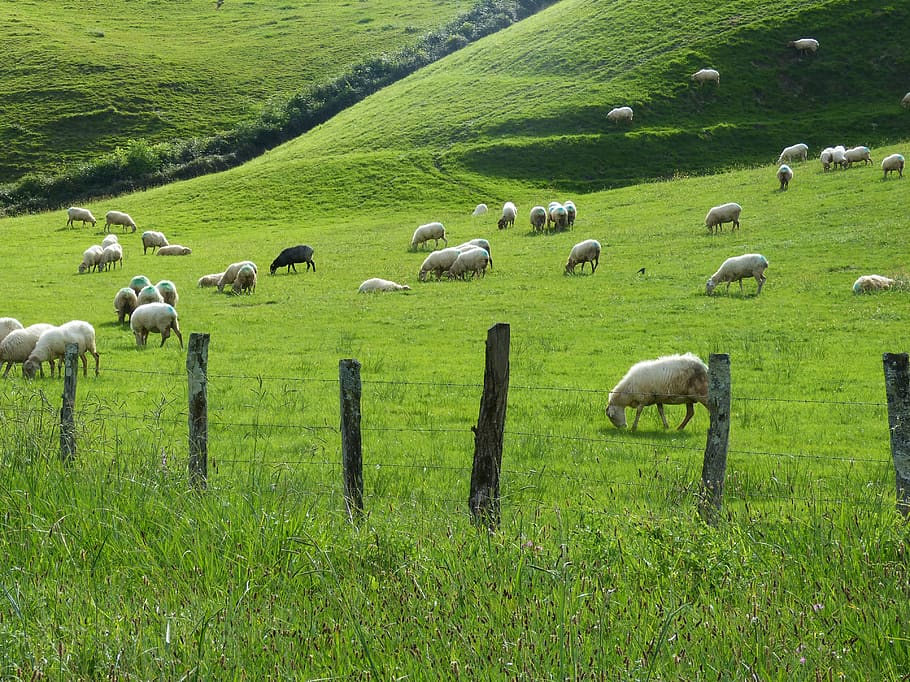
(438, 262)
(558, 215)
(538, 218)
(479, 210)
(868, 283)
(125, 302)
(473, 260)
(245, 281)
(795, 152)
(804, 45)
(587, 251)
(108, 240)
(160, 318)
(571, 212)
(7, 325)
(168, 291)
(725, 213)
(19, 344)
(377, 284)
(857, 154)
(668, 380)
(230, 274)
(905, 101)
(91, 258)
(149, 294)
(110, 256)
(737, 268)
(301, 253)
(152, 240)
(425, 233)
(119, 218)
(210, 280)
(509, 213)
(74, 213)
(620, 114)
(139, 282)
(894, 162)
(174, 250)
(706, 76)
(482, 243)
(784, 176)
(52, 346)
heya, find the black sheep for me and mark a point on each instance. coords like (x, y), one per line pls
(294, 254)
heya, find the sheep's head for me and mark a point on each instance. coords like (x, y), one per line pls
(30, 368)
(82, 268)
(617, 416)
(273, 267)
(710, 286)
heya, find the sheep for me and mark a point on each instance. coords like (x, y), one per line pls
(149, 294)
(7, 325)
(52, 346)
(160, 318)
(139, 282)
(168, 291)
(857, 154)
(558, 215)
(108, 240)
(479, 210)
(826, 156)
(795, 152)
(905, 101)
(804, 45)
(438, 262)
(784, 176)
(19, 344)
(868, 283)
(538, 218)
(110, 256)
(119, 218)
(509, 213)
(894, 162)
(620, 114)
(230, 274)
(473, 260)
(706, 76)
(425, 233)
(737, 268)
(174, 250)
(482, 243)
(125, 302)
(725, 213)
(668, 380)
(587, 251)
(210, 280)
(74, 213)
(301, 253)
(91, 258)
(571, 212)
(839, 156)
(245, 281)
(152, 240)
(377, 284)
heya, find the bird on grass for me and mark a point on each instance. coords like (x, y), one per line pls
(641, 271)
(218, 4)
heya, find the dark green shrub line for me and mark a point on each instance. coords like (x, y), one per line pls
(139, 164)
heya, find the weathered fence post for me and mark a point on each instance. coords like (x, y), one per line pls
(67, 420)
(351, 443)
(197, 362)
(484, 499)
(714, 468)
(897, 388)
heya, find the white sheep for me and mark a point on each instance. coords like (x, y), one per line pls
(474, 260)
(125, 302)
(425, 233)
(804, 45)
(725, 213)
(377, 284)
(571, 212)
(74, 213)
(509, 213)
(119, 218)
(52, 345)
(795, 152)
(868, 283)
(558, 215)
(893, 162)
(706, 76)
(139, 282)
(587, 251)
(149, 294)
(737, 268)
(857, 154)
(110, 256)
(905, 101)
(168, 291)
(174, 250)
(668, 380)
(230, 273)
(91, 258)
(620, 114)
(108, 240)
(839, 156)
(784, 176)
(19, 344)
(245, 281)
(482, 243)
(210, 280)
(160, 318)
(438, 262)
(826, 156)
(479, 210)
(152, 240)
(538, 218)
(7, 325)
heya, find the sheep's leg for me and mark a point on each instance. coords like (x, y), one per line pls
(594, 265)
(97, 363)
(9, 363)
(690, 411)
(292, 266)
(761, 282)
(741, 292)
(84, 365)
(637, 415)
(663, 417)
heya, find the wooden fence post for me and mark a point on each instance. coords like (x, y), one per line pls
(67, 420)
(484, 498)
(197, 362)
(714, 468)
(897, 388)
(351, 443)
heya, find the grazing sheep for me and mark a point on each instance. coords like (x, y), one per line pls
(706, 76)
(110, 256)
(795, 152)
(479, 210)
(425, 233)
(905, 101)
(438, 262)
(668, 380)
(737, 268)
(19, 344)
(784, 176)
(119, 218)
(91, 258)
(558, 215)
(725, 213)
(857, 154)
(210, 280)
(7, 325)
(149, 294)
(152, 240)
(826, 157)
(168, 291)
(482, 243)
(509, 213)
(108, 240)
(301, 253)
(587, 251)
(804, 45)
(160, 318)
(620, 114)
(473, 260)
(245, 281)
(139, 282)
(125, 302)
(894, 162)
(839, 156)
(377, 284)
(868, 283)
(74, 213)
(174, 250)
(538, 218)
(230, 274)
(52, 346)
(571, 212)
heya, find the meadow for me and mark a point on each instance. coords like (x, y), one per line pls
(601, 569)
